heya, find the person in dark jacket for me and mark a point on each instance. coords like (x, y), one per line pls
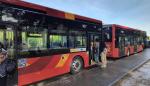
(5, 67)
(96, 51)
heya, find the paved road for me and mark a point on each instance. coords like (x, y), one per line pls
(97, 77)
(138, 77)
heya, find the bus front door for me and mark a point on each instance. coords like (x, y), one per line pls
(94, 51)
(121, 46)
(135, 45)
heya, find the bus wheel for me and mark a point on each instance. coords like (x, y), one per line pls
(128, 53)
(77, 65)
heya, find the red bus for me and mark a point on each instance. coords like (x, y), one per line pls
(123, 41)
(47, 42)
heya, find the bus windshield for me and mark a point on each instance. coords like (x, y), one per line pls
(107, 31)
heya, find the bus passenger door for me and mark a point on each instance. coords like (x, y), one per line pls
(94, 41)
(121, 46)
(135, 45)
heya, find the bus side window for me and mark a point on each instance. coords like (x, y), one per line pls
(108, 34)
(77, 41)
(84, 42)
(80, 41)
(127, 41)
(71, 41)
(58, 41)
(33, 41)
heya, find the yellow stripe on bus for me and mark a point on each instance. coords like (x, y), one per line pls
(69, 16)
(62, 60)
(74, 50)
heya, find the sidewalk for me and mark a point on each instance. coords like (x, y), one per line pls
(138, 77)
(98, 77)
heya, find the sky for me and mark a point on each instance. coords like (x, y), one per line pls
(131, 13)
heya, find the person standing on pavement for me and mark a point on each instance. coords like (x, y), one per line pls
(5, 67)
(96, 51)
(103, 55)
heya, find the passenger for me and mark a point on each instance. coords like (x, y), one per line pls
(5, 67)
(91, 49)
(103, 56)
(96, 51)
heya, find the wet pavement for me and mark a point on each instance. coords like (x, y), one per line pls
(96, 76)
(138, 77)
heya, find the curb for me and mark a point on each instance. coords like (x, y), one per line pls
(136, 67)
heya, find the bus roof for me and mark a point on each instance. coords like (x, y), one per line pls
(51, 12)
(125, 27)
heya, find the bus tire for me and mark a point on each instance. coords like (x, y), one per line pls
(128, 52)
(76, 65)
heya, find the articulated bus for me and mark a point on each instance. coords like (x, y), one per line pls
(123, 41)
(45, 41)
